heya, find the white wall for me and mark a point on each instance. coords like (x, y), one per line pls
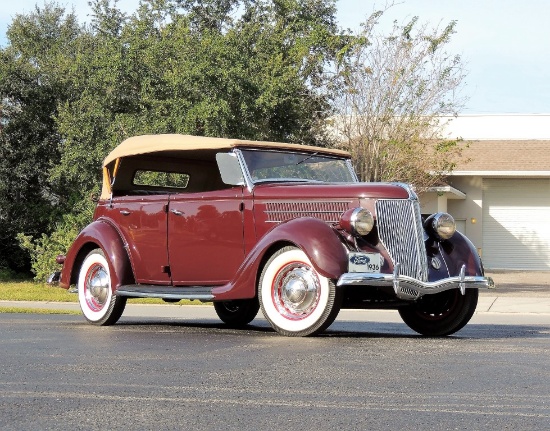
(498, 127)
(469, 208)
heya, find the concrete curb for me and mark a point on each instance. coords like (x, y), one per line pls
(486, 304)
(513, 304)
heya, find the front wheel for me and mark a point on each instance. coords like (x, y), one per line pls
(237, 313)
(441, 314)
(98, 303)
(294, 297)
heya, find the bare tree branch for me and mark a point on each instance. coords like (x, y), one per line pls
(393, 90)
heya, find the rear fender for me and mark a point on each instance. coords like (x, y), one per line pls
(98, 234)
(315, 238)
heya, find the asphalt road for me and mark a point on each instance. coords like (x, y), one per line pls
(156, 373)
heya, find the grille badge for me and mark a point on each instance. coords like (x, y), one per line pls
(436, 263)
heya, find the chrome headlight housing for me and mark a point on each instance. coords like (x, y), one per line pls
(357, 221)
(440, 225)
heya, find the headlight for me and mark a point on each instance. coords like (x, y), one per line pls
(442, 225)
(357, 221)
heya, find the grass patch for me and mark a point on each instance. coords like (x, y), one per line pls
(23, 310)
(31, 291)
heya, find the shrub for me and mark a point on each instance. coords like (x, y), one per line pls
(8, 274)
(44, 250)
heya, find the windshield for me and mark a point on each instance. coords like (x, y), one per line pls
(265, 166)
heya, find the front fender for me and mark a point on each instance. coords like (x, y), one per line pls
(455, 252)
(315, 238)
(98, 234)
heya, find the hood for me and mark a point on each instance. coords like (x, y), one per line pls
(332, 191)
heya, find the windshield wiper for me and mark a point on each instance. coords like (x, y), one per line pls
(307, 158)
(287, 180)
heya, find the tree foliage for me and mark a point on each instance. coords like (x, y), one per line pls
(30, 90)
(171, 70)
(251, 69)
(394, 90)
(226, 68)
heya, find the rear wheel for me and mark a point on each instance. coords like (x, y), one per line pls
(237, 313)
(295, 298)
(98, 303)
(441, 314)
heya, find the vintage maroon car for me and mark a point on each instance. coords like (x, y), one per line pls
(284, 227)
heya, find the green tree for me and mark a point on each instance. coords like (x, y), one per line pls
(30, 90)
(244, 69)
(162, 70)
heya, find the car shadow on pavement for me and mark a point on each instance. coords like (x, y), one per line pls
(344, 329)
(471, 331)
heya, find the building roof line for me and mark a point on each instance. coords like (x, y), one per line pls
(500, 173)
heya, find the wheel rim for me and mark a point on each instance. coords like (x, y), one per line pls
(96, 287)
(231, 306)
(295, 291)
(440, 307)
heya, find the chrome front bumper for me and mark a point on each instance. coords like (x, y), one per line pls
(409, 288)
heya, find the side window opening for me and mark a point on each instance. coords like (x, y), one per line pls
(160, 179)
(156, 175)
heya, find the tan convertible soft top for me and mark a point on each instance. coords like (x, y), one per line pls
(172, 142)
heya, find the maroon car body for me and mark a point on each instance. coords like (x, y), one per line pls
(284, 227)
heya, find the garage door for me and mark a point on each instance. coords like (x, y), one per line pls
(516, 223)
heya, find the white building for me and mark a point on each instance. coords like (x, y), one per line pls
(500, 196)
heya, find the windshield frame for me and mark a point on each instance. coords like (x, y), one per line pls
(251, 182)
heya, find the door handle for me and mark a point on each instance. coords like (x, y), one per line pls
(177, 212)
(124, 212)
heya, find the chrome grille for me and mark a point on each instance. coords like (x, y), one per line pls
(328, 211)
(400, 230)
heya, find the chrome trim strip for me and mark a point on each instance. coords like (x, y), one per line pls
(408, 188)
(352, 170)
(199, 297)
(246, 174)
(200, 293)
(409, 288)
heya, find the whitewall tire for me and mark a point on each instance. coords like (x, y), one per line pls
(98, 303)
(294, 297)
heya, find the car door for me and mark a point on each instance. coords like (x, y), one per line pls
(142, 221)
(205, 237)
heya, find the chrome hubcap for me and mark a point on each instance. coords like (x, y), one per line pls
(97, 287)
(296, 291)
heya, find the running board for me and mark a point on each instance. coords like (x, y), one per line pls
(202, 293)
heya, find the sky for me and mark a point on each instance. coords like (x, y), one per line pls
(505, 44)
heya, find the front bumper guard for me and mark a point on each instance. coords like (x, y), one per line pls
(409, 288)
